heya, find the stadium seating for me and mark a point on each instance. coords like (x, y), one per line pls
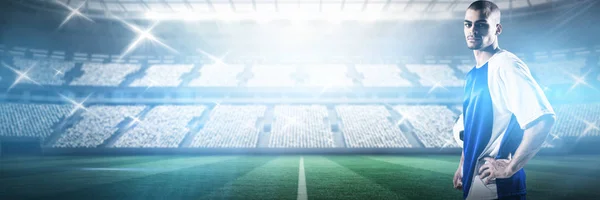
(96, 74)
(459, 108)
(218, 75)
(431, 123)
(163, 76)
(556, 72)
(325, 75)
(43, 72)
(272, 76)
(30, 120)
(300, 127)
(235, 126)
(432, 75)
(577, 120)
(381, 76)
(367, 126)
(230, 126)
(163, 126)
(465, 68)
(97, 125)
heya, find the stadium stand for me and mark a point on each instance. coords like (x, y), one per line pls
(30, 120)
(465, 68)
(556, 72)
(325, 75)
(577, 120)
(235, 126)
(272, 76)
(458, 108)
(43, 71)
(431, 123)
(436, 74)
(97, 125)
(96, 74)
(300, 127)
(217, 75)
(163, 75)
(367, 126)
(230, 126)
(381, 76)
(163, 126)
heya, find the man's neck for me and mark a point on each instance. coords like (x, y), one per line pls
(484, 55)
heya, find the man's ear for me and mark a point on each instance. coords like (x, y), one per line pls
(498, 29)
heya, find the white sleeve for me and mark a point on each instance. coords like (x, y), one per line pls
(521, 95)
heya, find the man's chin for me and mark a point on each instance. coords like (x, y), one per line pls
(474, 47)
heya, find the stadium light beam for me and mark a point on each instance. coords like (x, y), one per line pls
(134, 120)
(77, 105)
(589, 126)
(142, 36)
(331, 16)
(405, 116)
(57, 72)
(435, 86)
(555, 136)
(21, 75)
(214, 58)
(578, 80)
(152, 83)
(74, 12)
(217, 103)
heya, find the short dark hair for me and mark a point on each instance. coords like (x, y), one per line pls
(487, 7)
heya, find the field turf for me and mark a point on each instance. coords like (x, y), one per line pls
(274, 177)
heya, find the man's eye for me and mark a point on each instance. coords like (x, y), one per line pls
(467, 25)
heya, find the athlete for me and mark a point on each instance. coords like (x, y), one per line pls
(506, 116)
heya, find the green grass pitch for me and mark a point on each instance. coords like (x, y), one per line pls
(274, 177)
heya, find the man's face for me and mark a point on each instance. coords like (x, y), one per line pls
(480, 31)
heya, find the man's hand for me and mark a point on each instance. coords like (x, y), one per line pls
(458, 179)
(493, 169)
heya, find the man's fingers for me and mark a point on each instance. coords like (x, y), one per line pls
(489, 159)
(485, 174)
(458, 185)
(489, 179)
(484, 167)
(455, 182)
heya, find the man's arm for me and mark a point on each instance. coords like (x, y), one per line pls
(533, 138)
(458, 174)
(458, 128)
(532, 142)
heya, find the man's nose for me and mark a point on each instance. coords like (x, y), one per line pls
(473, 30)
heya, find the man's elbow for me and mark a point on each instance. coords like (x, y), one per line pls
(548, 121)
(543, 124)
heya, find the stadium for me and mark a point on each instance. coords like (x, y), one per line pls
(275, 99)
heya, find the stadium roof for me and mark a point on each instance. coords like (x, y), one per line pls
(287, 9)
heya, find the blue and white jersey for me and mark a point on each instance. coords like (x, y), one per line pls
(501, 100)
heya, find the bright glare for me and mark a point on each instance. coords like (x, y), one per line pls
(262, 17)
